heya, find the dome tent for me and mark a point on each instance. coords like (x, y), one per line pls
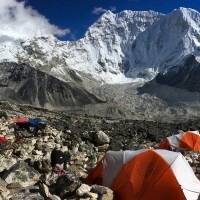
(146, 175)
(187, 140)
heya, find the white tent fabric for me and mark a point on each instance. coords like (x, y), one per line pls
(114, 160)
(195, 132)
(175, 139)
(168, 156)
(183, 173)
(186, 178)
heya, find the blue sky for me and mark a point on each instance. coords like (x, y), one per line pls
(78, 15)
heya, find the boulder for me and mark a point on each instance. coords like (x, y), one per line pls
(44, 191)
(92, 195)
(22, 173)
(66, 185)
(83, 189)
(6, 163)
(103, 148)
(100, 138)
(104, 193)
(14, 185)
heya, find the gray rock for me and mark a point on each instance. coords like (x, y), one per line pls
(3, 183)
(20, 152)
(103, 148)
(54, 197)
(27, 196)
(14, 185)
(66, 185)
(83, 189)
(6, 163)
(38, 89)
(116, 145)
(100, 138)
(22, 173)
(38, 146)
(44, 190)
(92, 195)
(104, 193)
(4, 193)
(2, 189)
(86, 135)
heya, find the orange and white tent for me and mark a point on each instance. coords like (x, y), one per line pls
(188, 140)
(146, 175)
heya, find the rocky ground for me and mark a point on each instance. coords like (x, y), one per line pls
(25, 164)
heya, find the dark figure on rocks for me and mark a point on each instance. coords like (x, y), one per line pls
(59, 160)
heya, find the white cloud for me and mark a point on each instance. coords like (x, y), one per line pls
(100, 10)
(113, 8)
(18, 21)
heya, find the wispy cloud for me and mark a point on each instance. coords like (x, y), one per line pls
(100, 10)
(19, 21)
(73, 36)
(113, 8)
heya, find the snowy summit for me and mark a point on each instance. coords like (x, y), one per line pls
(117, 48)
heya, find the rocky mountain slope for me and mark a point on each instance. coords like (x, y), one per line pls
(25, 169)
(185, 76)
(117, 55)
(25, 84)
(179, 86)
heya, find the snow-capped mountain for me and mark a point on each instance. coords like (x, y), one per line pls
(117, 48)
(131, 46)
(103, 52)
(167, 41)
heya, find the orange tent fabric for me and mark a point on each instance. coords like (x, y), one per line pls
(165, 145)
(146, 175)
(95, 176)
(191, 141)
(147, 179)
(20, 119)
(188, 140)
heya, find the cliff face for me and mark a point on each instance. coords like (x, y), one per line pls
(24, 84)
(185, 76)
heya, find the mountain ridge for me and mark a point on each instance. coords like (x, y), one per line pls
(117, 56)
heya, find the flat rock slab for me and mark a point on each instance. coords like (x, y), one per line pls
(23, 174)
